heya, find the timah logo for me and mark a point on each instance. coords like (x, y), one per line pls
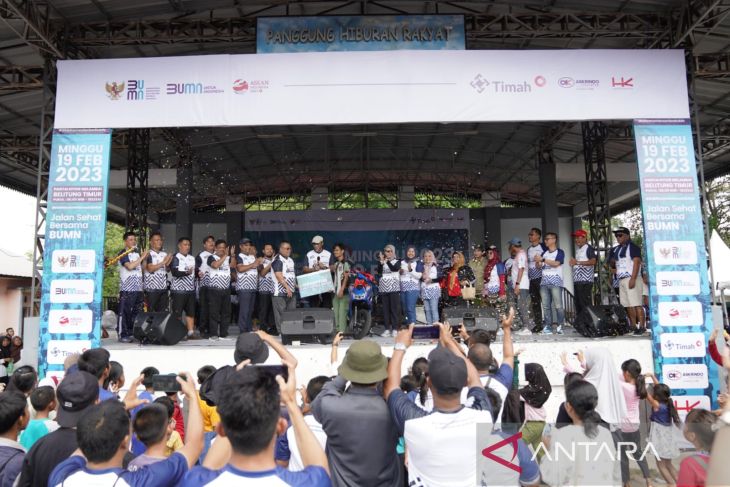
(114, 90)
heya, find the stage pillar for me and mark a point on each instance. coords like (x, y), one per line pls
(320, 198)
(406, 197)
(183, 205)
(548, 196)
(492, 204)
(234, 218)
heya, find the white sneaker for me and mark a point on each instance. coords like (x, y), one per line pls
(213, 338)
(523, 332)
(385, 334)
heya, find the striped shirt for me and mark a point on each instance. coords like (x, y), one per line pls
(285, 265)
(157, 280)
(204, 268)
(432, 289)
(184, 283)
(390, 279)
(533, 271)
(265, 284)
(247, 280)
(553, 276)
(130, 280)
(410, 280)
(625, 255)
(583, 273)
(219, 278)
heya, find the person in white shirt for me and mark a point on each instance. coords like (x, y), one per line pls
(155, 277)
(411, 270)
(534, 274)
(319, 259)
(219, 291)
(182, 287)
(389, 290)
(551, 285)
(430, 287)
(583, 264)
(201, 271)
(520, 285)
(283, 278)
(247, 283)
(265, 290)
(131, 297)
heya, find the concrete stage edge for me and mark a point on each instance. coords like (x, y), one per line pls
(315, 359)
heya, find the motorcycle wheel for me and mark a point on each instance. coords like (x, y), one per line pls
(360, 323)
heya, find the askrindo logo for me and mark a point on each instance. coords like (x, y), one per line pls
(685, 376)
(114, 90)
(566, 82)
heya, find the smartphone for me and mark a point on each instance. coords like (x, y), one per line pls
(274, 370)
(165, 383)
(431, 332)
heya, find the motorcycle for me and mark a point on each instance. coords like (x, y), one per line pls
(362, 304)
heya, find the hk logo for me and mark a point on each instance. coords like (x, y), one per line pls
(622, 82)
(479, 83)
(512, 440)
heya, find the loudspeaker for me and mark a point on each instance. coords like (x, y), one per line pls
(473, 318)
(158, 328)
(602, 320)
(314, 325)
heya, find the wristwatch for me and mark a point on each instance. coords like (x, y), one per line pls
(400, 346)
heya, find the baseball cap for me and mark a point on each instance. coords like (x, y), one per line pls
(317, 239)
(580, 233)
(622, 230)
(210, 389)
(244, 241)
(478, 247)
(447, 371)
(76, 393)
(364, 363)
(250, 346)
(491, 247)
(515, 241)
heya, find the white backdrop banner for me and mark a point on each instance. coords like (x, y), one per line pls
(371, 87)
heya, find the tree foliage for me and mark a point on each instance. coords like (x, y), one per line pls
(113, 243)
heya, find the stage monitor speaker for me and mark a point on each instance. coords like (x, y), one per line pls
(472, 317)
(313, 325)
(158, 329)
(602, 320)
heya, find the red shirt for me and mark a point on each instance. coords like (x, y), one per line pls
(693, 471)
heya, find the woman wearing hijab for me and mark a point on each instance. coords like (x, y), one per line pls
(15, 348)
(456, 277)
(535, 394)
(411, 269)
(603, 374)
(389, 290)
(5, 356)
(495, 291)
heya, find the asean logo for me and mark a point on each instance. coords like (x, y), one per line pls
(114, 90)
(240, 86)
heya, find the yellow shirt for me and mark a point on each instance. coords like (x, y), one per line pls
(173, 444)
(210, 416)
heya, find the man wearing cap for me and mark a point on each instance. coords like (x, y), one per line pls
(319, 259)
(76, 393)
(284, 281)
(534, 274)
(442, 444)
(628, 273)
(247, 282)
(361, 436)
(582, 264)
(520, 285)
(477, 264)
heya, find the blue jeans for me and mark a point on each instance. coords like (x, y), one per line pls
(552, 296)
(431, 306)
(408, 301)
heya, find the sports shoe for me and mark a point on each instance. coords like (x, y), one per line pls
(213, 338)
(547, 331)
(523, 332)
(559, 331)
(385, 334)
(226, 338)
(126, 339)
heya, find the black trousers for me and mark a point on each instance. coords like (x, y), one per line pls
(130, 303)
(536, 302)
(157, 301)
(265, 311)
(625, 450)
(219, 311)
(583, 296)
(391, 310)
(202, 310)
(320, 301)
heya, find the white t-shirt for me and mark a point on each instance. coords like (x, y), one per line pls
(520, 262)
(295, 461)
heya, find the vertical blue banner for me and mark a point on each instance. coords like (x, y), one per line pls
(73, 258)
(674, 240)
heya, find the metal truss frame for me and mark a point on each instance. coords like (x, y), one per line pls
(138, 166)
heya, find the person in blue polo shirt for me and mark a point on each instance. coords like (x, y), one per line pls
(251, 421)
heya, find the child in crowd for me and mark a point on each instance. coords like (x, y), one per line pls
(210, 414)
(174, 441)
(634, 389)
(699, 429)
(563, 418)
(535, 394)
(153, 426)
(664, 420)
(422, 395)
(43, 400)
(14, 416)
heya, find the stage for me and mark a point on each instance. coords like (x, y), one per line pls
(314, 359)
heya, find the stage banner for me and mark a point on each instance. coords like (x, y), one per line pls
(371, 87)
(359, 33)
(315, 283)
(73, 257)
(676, 258)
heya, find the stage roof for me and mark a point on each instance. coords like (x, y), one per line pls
(264, 162)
